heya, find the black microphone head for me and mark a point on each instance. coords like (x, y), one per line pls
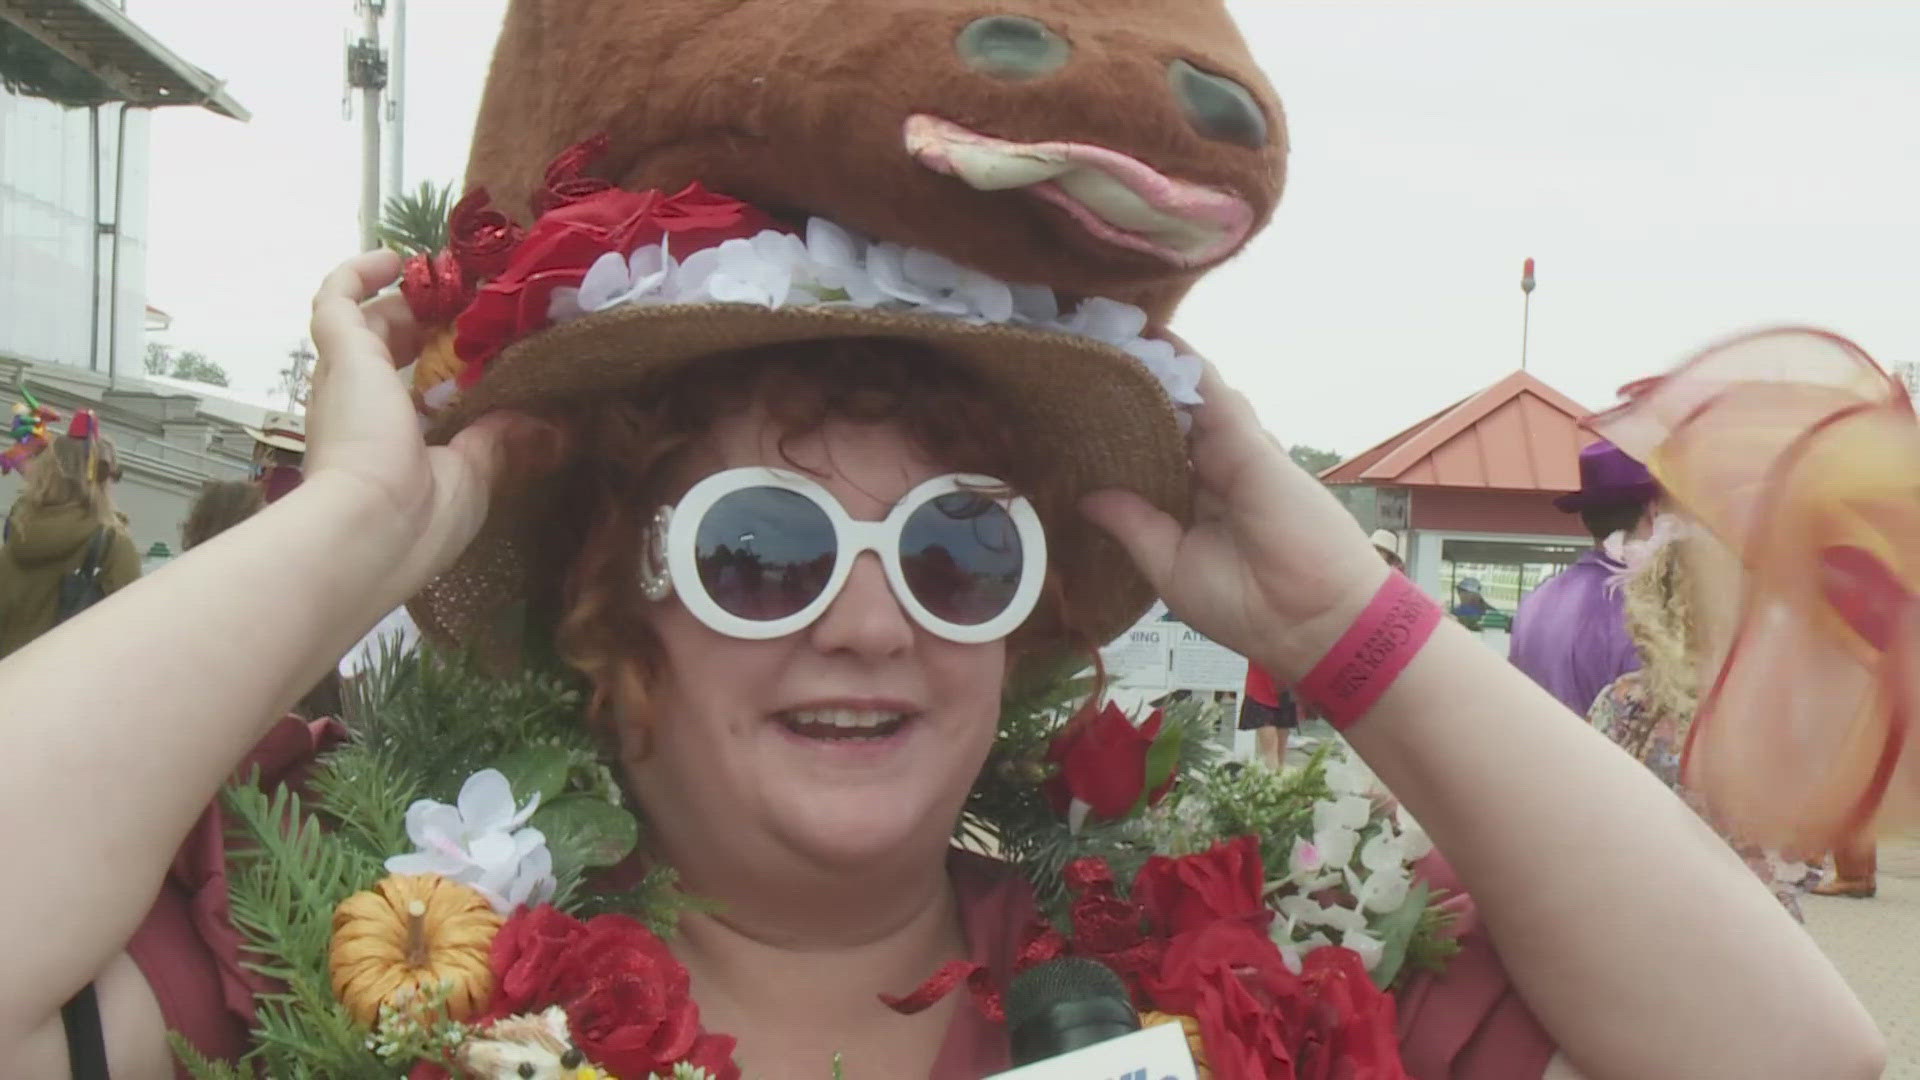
(1066, 1004)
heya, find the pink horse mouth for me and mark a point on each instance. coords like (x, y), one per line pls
(1119, 199)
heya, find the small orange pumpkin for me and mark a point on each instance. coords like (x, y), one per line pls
(405, 938)
(1194, 1045)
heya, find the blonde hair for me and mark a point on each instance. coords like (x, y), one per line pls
(1660, 619)
(74, 472)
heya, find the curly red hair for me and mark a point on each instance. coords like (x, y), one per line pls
(630, 455)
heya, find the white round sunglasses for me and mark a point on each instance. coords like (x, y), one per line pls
(759, 553)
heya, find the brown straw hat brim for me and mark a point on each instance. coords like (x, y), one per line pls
(1090, 406)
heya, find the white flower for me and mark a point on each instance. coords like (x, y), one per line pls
(1345, 812)
(832, 266)
(1305, 911)
(1413, 835)
(1179, 375)
(638, 278)
(1336, 827)
(1034, 303)
(1336, 845)
(1292, 952)
(937, 285)
(1384, 891)
(1305, 860)
(1384, 852)
(759, 271)
(839, 262)
(1348, 775)
(481, 842)
(1106, 320)
(1370, 948)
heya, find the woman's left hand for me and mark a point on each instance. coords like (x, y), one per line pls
(1273, 566)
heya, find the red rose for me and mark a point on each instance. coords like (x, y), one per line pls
(1353, 1025)
(526, 956)
(626, 997)
(628, 1007)
(561, 247)
(1232, 979)
(1103, 762)
(1259, 1021)
(1225, 882)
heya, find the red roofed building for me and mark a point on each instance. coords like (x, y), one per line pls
(1470, 490)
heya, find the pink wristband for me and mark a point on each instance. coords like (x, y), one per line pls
(1372, 653)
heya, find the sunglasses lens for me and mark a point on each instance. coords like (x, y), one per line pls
(962, 557)
(765, 553)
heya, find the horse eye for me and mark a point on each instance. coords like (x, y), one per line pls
(573, 1059)
(526, 1069)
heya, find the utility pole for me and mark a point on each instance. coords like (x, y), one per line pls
(397, 103)
(1526, 308)
(367, 73)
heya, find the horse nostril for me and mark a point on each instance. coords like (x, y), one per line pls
(1012, 47)
(1218, 107)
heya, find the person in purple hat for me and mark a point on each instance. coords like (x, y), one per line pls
(1570, 634)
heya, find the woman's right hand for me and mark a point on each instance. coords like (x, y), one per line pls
(363, 433)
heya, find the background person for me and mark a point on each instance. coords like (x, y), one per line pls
(1470, 606)
(1648, 711)
(1570, 634)
(222, 504)
(62, 528)
(279, 453)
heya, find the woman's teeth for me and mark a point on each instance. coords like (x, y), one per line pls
(842, 723)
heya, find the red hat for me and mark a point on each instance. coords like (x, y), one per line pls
(85, 425)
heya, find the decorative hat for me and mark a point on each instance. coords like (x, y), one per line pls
(84, 425)
(1608, 477)
(1040, 246)
(283, 431)
(28, 431)
(1796, 453)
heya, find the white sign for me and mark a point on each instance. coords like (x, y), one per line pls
(1199, 664)
(1142, 657)
(1162, 654)
(1156, 1053)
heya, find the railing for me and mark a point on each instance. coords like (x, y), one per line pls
(210, 466)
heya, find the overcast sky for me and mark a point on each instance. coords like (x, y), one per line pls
(1679, 170)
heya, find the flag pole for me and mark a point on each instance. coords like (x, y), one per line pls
(1526, 309)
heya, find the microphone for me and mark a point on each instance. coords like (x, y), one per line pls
(1063, 1005)
(1072, 1019)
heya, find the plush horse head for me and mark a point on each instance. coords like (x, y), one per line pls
(1117, 148)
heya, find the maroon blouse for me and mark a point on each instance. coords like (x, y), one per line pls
(1467, 1024)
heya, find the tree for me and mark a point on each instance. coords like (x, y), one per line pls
(1315, 460)
(194, 367)
(296, 379)
(415, 223)
(183, 364)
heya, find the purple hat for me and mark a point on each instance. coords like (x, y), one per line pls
(1608, 477)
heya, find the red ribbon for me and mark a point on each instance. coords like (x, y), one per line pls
(434, 289)
(566, 180)
(482, 238)
(979, 981)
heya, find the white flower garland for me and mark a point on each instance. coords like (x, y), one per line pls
(1345, 826)
(833, 267)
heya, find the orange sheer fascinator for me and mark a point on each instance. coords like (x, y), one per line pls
(1801, 456)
